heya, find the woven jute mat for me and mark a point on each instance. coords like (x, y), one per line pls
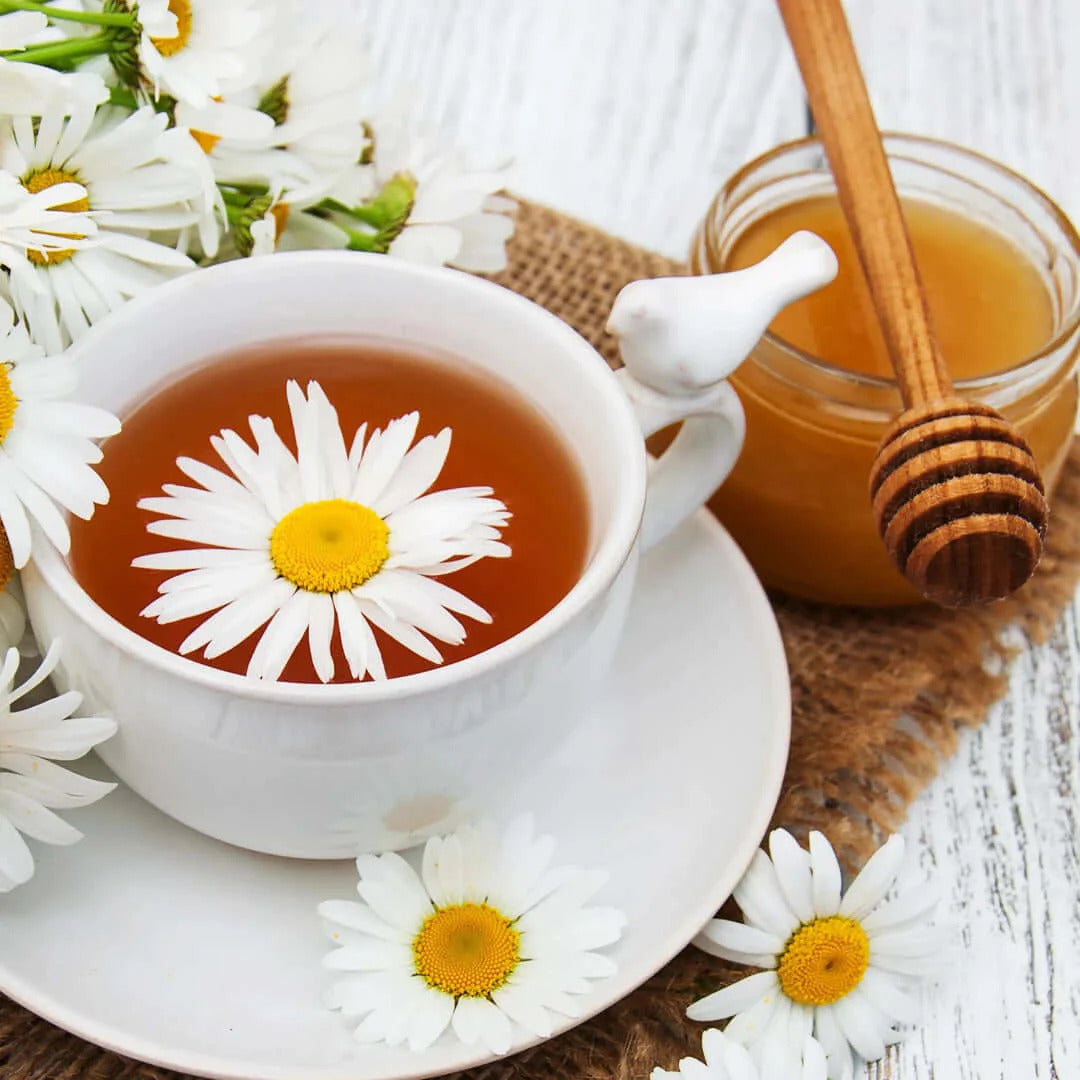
(878, 702)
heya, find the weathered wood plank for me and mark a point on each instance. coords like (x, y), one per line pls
(628, 113)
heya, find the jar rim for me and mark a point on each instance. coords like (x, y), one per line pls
(962, 386)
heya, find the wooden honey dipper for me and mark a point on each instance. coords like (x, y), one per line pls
(956, 492)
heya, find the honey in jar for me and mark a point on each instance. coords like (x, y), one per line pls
(817, 389)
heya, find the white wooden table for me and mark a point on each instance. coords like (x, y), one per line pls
(630, 113)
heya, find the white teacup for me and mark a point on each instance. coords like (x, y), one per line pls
(325, 771)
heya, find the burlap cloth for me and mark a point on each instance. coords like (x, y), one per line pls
(878, 701)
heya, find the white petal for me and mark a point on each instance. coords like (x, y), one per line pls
(828, 1033)
(758, 895)
(320, 635)
(16, 862)
(723, 938)
(889, 994)
(393, 890)
(33, 819)
(350, 915)
(914, 906)
(430, 1019)
(477, 1020)
(280, 638)
(862, 1025)
(744, 994)
(374, 955)
(419, 469)
(357, 641)
(524, 1008)
(382, 457)
(792, 865)
(825, 872)
(874, 880)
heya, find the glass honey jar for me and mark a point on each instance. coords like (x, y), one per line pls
(1001, 266)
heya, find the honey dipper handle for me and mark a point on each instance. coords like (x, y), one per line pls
(823, 47)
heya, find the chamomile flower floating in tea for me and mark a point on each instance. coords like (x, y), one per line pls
(725, 1059)
(127, 169)
(330, 537)
(32, 785)
(842, 966)
(487, 934)
(195, 50)
(46, 443)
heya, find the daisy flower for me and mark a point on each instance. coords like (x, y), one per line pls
(328, 537)
(841, 966)
(314, 94)
(126, 168)
(485, 935)
(725, 1059)
(284, 226)
(195, 50)
(425, 207)
(46, 443)
(31, 784)
(31, 222)
(30, 89)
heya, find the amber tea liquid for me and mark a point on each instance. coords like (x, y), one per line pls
(499, 440)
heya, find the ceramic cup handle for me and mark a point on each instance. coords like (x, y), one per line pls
(680, 338)
(697, 462)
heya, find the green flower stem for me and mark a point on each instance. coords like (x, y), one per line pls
(90, 18)
(359, 241)
(121, 95)
(61, 51)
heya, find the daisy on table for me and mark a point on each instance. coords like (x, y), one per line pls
(134, 184)
(47, 446)
(842, 966)
(486, 935)
(196, 50)
(331, 538)
(725, 1059)
(32, 785)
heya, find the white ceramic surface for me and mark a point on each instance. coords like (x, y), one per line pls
(318, 771)
(173, 948)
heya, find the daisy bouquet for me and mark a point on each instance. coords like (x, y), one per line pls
(139, 140)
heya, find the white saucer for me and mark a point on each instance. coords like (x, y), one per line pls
(159, 943)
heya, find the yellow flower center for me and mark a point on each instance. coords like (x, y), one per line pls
(824, 960)
(172, 45)
(466, 950)
(280, 213)
(9, 405)
(329, 546)
(205, 139)
(39, 180)
(7, 560)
